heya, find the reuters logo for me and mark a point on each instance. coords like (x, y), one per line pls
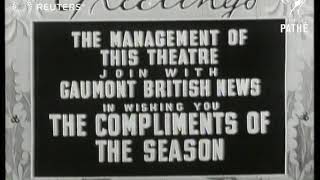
(21, 7)
(24, 7)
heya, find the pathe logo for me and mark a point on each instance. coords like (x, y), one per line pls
(295, 5)
(297, 25)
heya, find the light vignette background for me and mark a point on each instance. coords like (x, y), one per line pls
(299, 82)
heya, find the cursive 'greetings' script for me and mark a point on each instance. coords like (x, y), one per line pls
(146, 5)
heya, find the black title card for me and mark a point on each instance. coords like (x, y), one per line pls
(159, 98)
